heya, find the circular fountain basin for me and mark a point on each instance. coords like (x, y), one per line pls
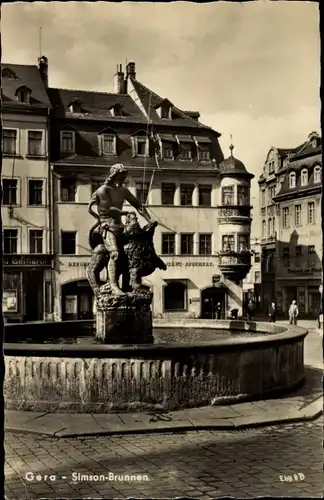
(189, 365)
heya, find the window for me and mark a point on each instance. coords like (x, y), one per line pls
(67, 141)
(204, 154)
(286, 256)
(141, 146)
(108, 144)
(205, 196)
(228, 195)
(165, 112)
(311, 255)
(167, 194)
(298, 254)
(68, 190)
(263, 198)
(263, 228)
(304, 177)
(9, 191)
(272, 193)
(185, 153)
(23, 95)
(175, 296)
(9, 141)
(142, 191)
(243, 242)
(273, 226)
(35, 142)
(297, 215)
(186, 244)
(68, 242)
(168, 243)
(269, 228)
(228, 243)
(271, 167)
(95, 185)
(257, 257)
(242, 195)
(292, 180)
(186, 194)
(285, 215)
(257, 277)
(10, 240)
(36, 241)
(311, 212)
(317, 174)
(168, 152)
(35, 192)
(205, 244)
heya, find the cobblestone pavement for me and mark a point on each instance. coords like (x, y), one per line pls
(273, 461)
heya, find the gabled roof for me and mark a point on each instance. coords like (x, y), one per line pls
(151, 101)
(97, 104)
(26, 76)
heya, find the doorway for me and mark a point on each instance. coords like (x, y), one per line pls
(77, 300)
(210, 298)
(33, 291)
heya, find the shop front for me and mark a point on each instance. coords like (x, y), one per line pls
(27, 288)
(305, 293)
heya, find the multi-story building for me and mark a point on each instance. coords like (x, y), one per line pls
(252, 282)
(27, 278)
(291, 233)
(176, 168)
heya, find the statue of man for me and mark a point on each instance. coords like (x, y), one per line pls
(109, 199)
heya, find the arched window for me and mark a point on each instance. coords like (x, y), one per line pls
(23, 95)
(292, 180)
(175, 296)
(317, 174)
(304, 177)
(7, 73)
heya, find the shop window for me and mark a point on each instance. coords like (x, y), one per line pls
(36, 241)
(142, 191)
(167, 194)
(205, 244)
(67, 141)
(35, 143)
(68, 242)
(175, 296)
(205, 196)
(10, 241)
(68, 190)
(9, 191)
(186, 191)
(311, 212)
(228, 195)
(9, 141)
(243, 195)
(168, 244)
(35, 192)
(228, 243)
(186, 244)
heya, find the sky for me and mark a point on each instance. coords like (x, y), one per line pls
(251, 69)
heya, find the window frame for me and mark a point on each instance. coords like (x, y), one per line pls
(223, 188)
(309, 205)
(304, 182)
(292, 176)
(317, 174)
(64, 231)
(286, 256)
(207, 188)
(18, 239)
(286, 221)
(163, 187)
(167, 147)
(228, 235)
(43, 149)
(168, 234)
(65, 131)
(142, 140)
(185, 147)
(247, 236)
(184, 190)
(311, 255)
(30, 230)
(191, 240)
(185, 297)
(210, 243)
(103, 138)
(18, 180)
(17, 142)
(139, 191)
(36, 179)
(246, 196)
(204, 150)
(62, 179)
(298, 223)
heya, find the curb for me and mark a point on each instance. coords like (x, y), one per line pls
(232, 425)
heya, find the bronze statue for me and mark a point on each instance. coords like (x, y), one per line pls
(109, 199)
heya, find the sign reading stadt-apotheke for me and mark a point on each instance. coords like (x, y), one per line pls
(189, 264)
(27, 260)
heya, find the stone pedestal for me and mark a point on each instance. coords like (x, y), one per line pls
(125, 319)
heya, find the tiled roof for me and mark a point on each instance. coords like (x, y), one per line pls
(310, 163)
(97, 105)
(28, 76)
(150, 101)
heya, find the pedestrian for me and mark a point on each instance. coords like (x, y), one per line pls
(249, 310)
(293, 313)
(218, 310)
(272, 312)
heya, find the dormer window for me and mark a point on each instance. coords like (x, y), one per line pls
(23, 95)
(304, 177)
(76, 106)
(8, 73)
(317, 174)
(108, 144)
(165, 112)
(314, 143)
(164, 109)
(117, 110)
(141, 146)
(292, 180)
(67, 141)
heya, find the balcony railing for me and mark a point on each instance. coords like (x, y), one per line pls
(235, 265)
(235, 211)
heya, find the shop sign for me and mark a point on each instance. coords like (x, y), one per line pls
(9, 301)
(27, 260)
(79, 264)
(189, 264)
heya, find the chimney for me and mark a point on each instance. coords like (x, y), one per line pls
(43, 69)
(130, 70)
(119, 80)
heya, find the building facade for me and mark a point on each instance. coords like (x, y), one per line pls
(27, 262)
(176, 167)
(291, 241)
(252, 282)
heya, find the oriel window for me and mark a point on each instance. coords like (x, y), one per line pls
(228, 243)
(228, 195)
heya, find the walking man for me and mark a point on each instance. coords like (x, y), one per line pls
(272, 312)
(293, 313)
